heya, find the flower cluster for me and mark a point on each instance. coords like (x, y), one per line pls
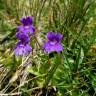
(26, 29)
(23, 34)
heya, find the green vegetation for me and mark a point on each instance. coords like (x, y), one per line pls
(71, 72)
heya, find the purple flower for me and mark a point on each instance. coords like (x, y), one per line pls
(26, 20)
(53, 43)
(23, 37)
(22, 49)
(23, 34)
(26, 26)
(26, 29)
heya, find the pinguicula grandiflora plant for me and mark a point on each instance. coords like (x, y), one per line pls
(52, 45)
(25, 30)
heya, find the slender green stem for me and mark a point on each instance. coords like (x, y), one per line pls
(53, 69)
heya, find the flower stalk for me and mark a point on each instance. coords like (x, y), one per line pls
(53, 69)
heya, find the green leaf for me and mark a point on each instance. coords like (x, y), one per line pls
(79, 58)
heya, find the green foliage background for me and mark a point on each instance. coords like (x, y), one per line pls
(70, 73)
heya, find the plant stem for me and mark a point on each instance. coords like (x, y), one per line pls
(52, 70)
